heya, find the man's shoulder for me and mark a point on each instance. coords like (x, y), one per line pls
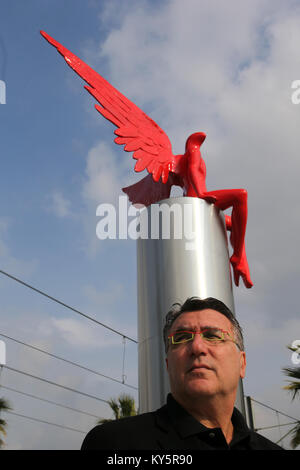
(260, 442)
(126, 431)
(125, 423)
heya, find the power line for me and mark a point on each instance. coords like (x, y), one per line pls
(70, 362)
(289, 432)
(66, 306)
(56, 384)
(273, 409)
(275, 426)
(48, 401)
(45, 422)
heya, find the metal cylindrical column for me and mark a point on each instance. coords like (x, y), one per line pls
(250, 413)
(170, 268)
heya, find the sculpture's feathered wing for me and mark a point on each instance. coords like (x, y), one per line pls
(150, 145)
(147, 192)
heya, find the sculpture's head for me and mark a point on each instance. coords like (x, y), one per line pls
(195, 140)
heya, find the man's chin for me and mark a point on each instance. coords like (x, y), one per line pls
(197, 386)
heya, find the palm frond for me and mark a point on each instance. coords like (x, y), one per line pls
(293, 386)
(115, 407)
(295, 442)
(104, 420)
(293, 372)
(122, 407)
(4, 404)
(127, 406)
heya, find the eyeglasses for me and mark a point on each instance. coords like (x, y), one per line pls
(209, 335)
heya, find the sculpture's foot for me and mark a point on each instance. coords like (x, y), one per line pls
(241, 268)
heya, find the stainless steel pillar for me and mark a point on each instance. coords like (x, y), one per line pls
(171, 268)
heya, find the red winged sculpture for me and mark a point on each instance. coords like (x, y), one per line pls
(152, 149)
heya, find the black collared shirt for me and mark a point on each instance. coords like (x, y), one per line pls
(172, 427)
(187, 427)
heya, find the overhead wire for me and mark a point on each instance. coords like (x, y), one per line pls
(285, 435)
(66, 305)
(45, 422)
(273, 409)
(275, 426)
(55, 384)
(62, 359)
(122, 382)
(48, 401)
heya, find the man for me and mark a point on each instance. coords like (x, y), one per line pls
(205, 360)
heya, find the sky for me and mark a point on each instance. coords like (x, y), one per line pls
(224, 68)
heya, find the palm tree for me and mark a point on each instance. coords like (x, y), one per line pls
(122, 407)
(294, 388)
(4, 405)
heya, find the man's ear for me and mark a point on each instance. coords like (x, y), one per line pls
(243, 364)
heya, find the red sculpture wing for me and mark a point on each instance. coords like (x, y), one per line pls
(147, 191)
(139, 133)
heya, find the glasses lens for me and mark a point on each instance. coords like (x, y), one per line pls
(182, 336)
(213, 335)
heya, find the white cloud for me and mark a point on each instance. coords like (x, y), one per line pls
(102, 171)
(108, 168)
(59, 205)
(9, 262)
(103, 298)
(75, 333)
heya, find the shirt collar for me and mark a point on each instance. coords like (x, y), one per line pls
(186, 425)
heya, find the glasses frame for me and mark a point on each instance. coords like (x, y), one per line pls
(218, 341)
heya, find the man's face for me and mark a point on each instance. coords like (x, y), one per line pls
(200, 369)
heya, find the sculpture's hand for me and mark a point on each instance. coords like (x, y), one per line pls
(138, 132)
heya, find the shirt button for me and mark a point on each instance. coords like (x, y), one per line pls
(211, 435)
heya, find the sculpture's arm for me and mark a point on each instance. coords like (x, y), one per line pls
(196, 176)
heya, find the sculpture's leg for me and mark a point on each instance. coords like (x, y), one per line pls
(244, 270)
(237, 199)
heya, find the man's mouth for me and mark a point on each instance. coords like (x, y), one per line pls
(199, 367)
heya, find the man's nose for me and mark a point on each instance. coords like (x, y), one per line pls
(198, 346)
